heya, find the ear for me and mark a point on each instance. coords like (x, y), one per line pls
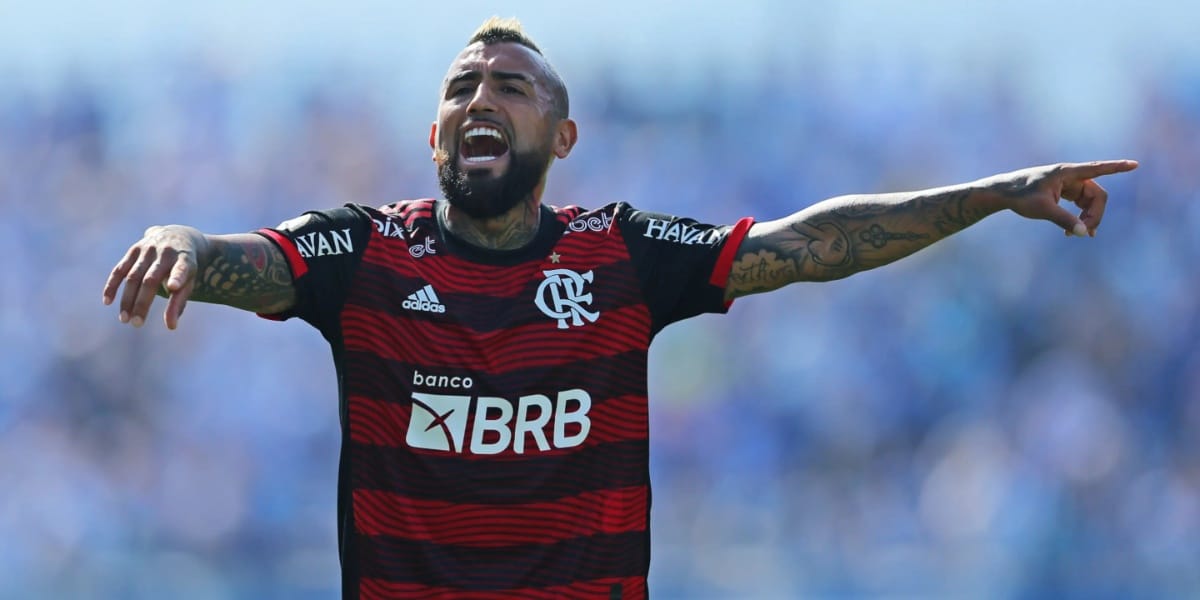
(565, 136)
(433, 139)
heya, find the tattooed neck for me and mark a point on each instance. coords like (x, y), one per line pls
(509, 231)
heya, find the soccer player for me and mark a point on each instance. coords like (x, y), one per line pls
(491, 349)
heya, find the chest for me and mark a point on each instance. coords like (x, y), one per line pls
(573, 302)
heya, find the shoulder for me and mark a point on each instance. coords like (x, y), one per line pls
(407, 212)
(402, 218)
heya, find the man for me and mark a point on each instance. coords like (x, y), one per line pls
(491, 350)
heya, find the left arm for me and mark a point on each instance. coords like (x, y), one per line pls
(844, 235)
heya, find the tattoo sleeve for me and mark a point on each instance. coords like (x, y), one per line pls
(245, 271)
(842, 236)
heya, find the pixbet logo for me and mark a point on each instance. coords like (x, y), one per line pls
(419, 250)
(439, 422)
(389, 228)
(561, 297)
(601, 222)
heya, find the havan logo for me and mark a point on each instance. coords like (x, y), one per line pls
(324, 243)
(439, 422)
(680, 232)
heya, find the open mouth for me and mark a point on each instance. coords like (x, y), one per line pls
(482, 145)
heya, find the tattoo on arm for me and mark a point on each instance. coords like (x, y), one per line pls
(953, 214)
(842, 236)
(248, 272)
(754, 272)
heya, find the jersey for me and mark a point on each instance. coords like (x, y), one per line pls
(493, 404)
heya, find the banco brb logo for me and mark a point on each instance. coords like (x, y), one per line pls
(439, 422)
(561, 297)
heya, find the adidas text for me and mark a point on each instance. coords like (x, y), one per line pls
(424, 300)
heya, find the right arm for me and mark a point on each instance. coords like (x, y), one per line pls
(245, 270)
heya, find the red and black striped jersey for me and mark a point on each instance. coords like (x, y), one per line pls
(493, 403)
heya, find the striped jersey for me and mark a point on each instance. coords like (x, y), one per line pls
(493, 403)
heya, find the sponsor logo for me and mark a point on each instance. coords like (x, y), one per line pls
(680, 233)
(388, 228)
(419, 250)
(439, 422)
(324, 243)
(561, 296)
(424, 300)
(600, 222)
(450, 381)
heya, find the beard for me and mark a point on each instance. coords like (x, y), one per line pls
(482, 195)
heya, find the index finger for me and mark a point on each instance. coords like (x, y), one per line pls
(1098, 168)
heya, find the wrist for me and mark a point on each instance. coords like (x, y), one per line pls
(994, 194)
(191, 241)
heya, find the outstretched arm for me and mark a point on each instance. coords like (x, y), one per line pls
(245, 271)
(844, 235)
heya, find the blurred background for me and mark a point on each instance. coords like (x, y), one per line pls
(1010, 413)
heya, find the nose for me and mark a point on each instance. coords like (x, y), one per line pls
(481, 101)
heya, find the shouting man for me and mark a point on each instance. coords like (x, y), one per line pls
(491, 349)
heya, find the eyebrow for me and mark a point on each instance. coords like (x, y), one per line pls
(501, 75)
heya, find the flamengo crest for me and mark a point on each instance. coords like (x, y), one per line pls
(561, 297)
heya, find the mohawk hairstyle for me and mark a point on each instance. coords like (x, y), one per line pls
(497, 30)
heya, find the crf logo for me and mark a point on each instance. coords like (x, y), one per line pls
(439, 422)
(561, 297)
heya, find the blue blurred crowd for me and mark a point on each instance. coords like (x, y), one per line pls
(1010, 413)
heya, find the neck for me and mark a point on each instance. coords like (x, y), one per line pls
(508, 231)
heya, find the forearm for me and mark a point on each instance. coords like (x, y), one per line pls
(244, 271)
(844, 235)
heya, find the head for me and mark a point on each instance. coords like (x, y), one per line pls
(502, 119)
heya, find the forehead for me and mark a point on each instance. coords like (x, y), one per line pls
(503, 56)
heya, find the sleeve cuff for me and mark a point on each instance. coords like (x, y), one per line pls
(295, 262)
(720, 274)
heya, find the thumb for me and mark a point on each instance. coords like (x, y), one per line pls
(1070, 223)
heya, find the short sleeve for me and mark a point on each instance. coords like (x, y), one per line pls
(324, 249)
(683, 265)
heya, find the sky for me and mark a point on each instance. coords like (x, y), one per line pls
(1079, 52)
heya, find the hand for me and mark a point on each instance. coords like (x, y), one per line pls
(163, 254)
(1034, 193)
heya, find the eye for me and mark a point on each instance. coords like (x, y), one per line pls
(459, 91)
(512, 89)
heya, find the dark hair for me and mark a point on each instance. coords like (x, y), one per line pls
(497, 30)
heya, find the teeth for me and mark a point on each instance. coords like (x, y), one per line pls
(475, 159)
(483, 131)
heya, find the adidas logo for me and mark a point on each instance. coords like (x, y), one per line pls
(424, 300)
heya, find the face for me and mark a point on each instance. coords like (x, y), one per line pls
(497, 129)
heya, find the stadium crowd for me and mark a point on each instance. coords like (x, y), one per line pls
(1008, 413)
